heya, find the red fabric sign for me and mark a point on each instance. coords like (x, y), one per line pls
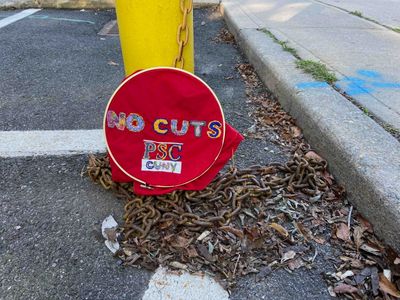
(165, 128)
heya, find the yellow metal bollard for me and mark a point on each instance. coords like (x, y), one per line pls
(150, 31)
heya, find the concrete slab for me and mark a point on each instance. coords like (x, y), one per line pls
(386, 12)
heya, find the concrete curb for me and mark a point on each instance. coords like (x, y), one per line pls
(76, 4)
(361, 154)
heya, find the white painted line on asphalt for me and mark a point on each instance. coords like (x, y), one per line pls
(51, 142)
(164, 285)
(14, 18)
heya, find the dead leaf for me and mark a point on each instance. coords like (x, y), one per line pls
(203, 235)
(386, 286)
(111, 234)
(331, 292)
(252, 233)
(192, 251)
(302, 230)
(210, 248)
(288, 255)
(296, 131)
(295, 264)
(180, 242)
(374, 280)
(282, 231)
(328, 177)
(314, 156)
(345, 288)
(128, 252)
(370, 249)
(365, 224)
(357, 235)
(343, 232)
(319, 240)
(203, 250)
(233, 230)
(346, 274)
(178, 265)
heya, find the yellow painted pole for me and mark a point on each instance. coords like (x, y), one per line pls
(148, 33)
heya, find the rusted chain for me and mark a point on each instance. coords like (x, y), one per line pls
(218, 203)
(183, 33)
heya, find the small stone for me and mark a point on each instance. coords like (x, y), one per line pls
(203, 23)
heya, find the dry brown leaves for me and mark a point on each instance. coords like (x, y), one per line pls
(366, 269)
(224, 36)
(280, 228)
(272, 226)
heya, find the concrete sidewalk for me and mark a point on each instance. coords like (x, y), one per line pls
(361, 53)
(361, 154)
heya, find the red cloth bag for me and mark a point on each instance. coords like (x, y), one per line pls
(165, 130)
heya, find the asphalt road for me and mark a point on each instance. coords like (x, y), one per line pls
(55, 75)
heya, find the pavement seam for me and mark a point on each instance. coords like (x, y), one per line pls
(361, 154)
(367, 19)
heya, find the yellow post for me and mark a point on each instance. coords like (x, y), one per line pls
(148, 32)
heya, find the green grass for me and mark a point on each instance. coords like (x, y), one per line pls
(396, 29)
(357, 13)
(366, 111)
(317, 70)
(283, 44)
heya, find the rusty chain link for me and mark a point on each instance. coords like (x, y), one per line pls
(218, 203)
(183, 33)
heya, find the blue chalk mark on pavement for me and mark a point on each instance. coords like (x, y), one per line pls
(369, 73)
(386, 85)
(44, 17)
(310, 85)
(364, 82)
